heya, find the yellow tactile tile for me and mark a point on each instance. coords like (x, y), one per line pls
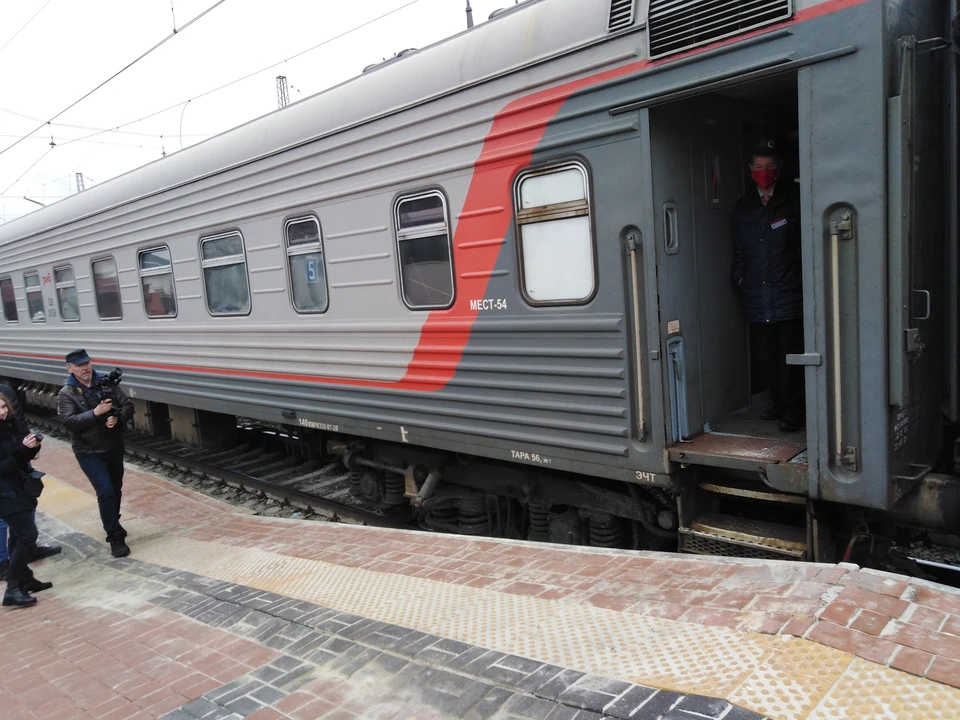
(793, 680)
(781, 677)
(873, 691)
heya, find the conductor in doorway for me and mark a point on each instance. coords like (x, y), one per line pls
(767, 272)
(96, 425)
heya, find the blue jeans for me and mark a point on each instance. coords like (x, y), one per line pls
(105, 473)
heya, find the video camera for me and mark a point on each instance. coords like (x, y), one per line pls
(105, 387)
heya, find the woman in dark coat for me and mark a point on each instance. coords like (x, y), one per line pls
(17, 449)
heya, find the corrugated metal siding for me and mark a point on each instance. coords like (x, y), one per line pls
(557, 381)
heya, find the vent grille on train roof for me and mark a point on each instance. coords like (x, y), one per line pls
(677, 25)
(621, 14)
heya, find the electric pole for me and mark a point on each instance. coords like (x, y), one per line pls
(283, 94)
(469, 15)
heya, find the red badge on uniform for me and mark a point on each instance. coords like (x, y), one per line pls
(778, 223)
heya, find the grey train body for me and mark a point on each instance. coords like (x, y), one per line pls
(619, 383)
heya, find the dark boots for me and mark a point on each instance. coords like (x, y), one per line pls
(18, 594)
(17, 597)
(44, 551)
(118, 548)
(30, 584)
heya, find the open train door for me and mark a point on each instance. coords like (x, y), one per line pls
(877, 227)
(669, 221)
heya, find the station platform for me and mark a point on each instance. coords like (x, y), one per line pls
(219, 613)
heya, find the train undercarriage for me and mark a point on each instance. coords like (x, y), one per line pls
(706, 512)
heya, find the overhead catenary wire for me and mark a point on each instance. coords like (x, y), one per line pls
(84, 127)
(24, 26)
(36, 162)
(132, 144)
(255, 72)
(116, 74)
(117, 128)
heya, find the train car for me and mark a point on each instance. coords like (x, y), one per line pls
(494, 276)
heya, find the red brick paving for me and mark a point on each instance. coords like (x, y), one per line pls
(915, 662)
(66, 662)
(869, 622)
(841, 606)
(842, 638)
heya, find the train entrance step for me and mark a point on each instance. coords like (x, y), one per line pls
(735, 452)
(716, 534)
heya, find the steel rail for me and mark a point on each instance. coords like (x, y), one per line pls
(248, 482)
(241, 480)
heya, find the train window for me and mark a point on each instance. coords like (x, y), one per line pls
(66, 286)
(556, 243)
(305, 253)
(9, 300)
(31, 282)
(225, 274)
(106, 287)
(423, 240)
(156, 281)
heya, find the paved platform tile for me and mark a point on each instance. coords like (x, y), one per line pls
(506, 617)
(326, 656)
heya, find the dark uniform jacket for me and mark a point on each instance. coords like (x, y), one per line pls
(15, 460)
(766, 254)
(89, 433)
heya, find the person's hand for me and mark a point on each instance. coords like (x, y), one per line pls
(30, 441)
(111, 421)
(103, 408)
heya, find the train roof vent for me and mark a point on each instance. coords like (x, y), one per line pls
(677, 25)
(621, 14)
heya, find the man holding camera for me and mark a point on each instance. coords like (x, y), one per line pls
(94, 410)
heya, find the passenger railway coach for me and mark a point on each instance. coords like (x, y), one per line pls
(496, 270)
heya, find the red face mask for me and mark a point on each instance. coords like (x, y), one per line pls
(765, 178)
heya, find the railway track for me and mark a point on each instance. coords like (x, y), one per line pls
(310, 485)
(275, 480)
(938, 563)
(249, 472)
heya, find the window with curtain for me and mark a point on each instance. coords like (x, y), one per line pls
(555, 237)
(65, 284)
(34, 291)
(225, 283)
(156, 282)
(106, 287)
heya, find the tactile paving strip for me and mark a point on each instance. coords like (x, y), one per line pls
(791, 683)
(778, 676)
(874, 691)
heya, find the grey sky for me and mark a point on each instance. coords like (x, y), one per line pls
(69, 47)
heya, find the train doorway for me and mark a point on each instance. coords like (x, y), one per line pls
(717, 395)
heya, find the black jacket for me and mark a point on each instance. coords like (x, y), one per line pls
(766, 254)
(15, 460)
(89, 433)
